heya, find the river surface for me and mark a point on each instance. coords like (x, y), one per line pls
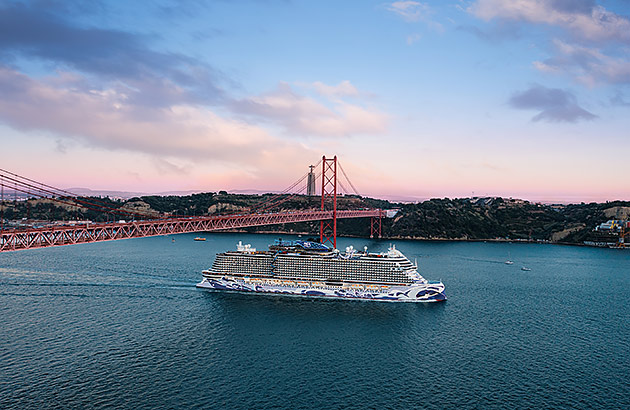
(121, 325)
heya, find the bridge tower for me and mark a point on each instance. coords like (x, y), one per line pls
(328, 228)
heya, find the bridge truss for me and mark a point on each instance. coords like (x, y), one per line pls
(12, 240)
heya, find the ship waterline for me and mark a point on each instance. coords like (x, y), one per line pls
(309, 269)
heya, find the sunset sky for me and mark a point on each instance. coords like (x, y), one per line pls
(520, 98)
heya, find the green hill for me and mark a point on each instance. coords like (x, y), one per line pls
(452, 219)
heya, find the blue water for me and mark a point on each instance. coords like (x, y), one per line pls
(121, 325)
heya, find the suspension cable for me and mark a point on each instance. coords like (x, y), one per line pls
(348, 179)
(269, 203)
(64, 196)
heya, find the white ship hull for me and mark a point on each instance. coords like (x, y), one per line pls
(429, 292)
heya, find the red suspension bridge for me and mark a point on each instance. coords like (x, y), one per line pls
(151, 223)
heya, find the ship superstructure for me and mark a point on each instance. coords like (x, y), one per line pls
(305, 268)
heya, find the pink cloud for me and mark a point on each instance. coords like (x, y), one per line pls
(106, 118)
(343, 89)
(330, 116)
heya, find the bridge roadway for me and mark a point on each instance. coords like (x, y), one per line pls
(16, 239)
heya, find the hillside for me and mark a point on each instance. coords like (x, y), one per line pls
(454, 219)
(499, 218)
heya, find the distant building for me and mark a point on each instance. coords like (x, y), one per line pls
(310, 185)
(612, 225)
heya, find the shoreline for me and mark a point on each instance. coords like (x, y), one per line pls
(423, 239)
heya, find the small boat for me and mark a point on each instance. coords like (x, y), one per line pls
(525, 268)
(200, 238)
(509, 259)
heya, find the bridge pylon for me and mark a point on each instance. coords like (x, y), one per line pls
(328, 228)
(376, 226)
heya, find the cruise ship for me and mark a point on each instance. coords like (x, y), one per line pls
(311, 269)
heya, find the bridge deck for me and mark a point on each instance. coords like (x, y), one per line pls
(11, 240)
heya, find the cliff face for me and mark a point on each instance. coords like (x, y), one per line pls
(618, 212)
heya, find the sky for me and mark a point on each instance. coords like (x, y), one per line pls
(521, 98)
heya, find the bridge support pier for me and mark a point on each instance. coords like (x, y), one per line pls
(376, 226)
